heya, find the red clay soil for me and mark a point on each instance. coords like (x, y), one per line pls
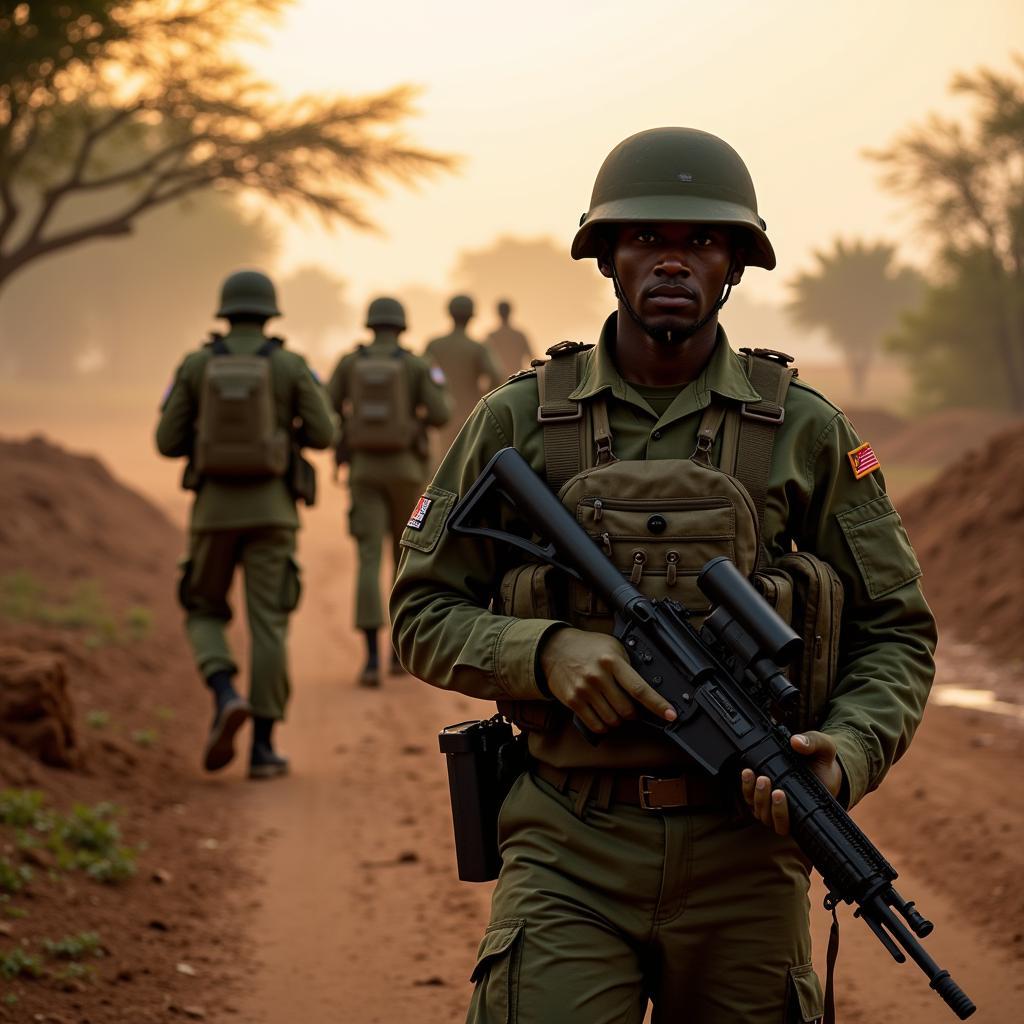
(968, 530)
(942, 437)
(169, 949)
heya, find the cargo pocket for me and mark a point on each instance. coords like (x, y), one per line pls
(428, 519)
(880, 546)
(291, 586)
(805, 1003)
(496, 974)
(185, 598)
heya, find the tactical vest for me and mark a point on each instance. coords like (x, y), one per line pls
(237, 434)
(661, 520)
(381, 417)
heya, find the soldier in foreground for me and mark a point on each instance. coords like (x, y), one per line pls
(627, 875)
(467, 366)
(508, 346)
(240, 409)
(386, 398)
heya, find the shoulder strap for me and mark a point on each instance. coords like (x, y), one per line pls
(218, 346)
(753, 425)
(268, 346)
(560, 416)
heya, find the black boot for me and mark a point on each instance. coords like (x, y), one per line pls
(370, 676)
(230, 713)
(264, 763)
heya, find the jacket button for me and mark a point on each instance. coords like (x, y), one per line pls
(656, 435)
(657, 524)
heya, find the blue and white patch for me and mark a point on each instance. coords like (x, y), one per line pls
(419, 513)
(437, 376)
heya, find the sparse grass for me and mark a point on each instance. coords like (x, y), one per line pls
(13, 877)
(165, 714)
(18, 964)
(10, 999)
(75, 947)
(23, 598)
(87, 839)
(68, 975)
(9, 911)
(97, 719)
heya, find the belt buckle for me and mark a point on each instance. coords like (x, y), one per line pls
(646, 798)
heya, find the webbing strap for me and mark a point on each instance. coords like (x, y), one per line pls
(559, 415)
(830, 971)
(758, 422)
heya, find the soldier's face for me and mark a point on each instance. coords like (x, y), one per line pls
(672, 274)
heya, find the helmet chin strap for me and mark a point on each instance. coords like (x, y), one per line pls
(662, 334)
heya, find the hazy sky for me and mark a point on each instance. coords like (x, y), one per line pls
(534, 94)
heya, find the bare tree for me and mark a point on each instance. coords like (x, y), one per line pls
(137, 95)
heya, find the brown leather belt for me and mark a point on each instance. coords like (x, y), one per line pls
(604, 786)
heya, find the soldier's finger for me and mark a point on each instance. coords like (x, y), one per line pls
(591, 719)
(604, 710)
(633, 683)
(747, 786)
(780, 813)
(762, 800)
(618, 699)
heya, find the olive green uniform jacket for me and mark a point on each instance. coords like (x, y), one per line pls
(465, 364)
(298, 397)
(446, 635)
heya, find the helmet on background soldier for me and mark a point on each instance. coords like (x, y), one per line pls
(460, 307)
(386, 312)
(675, 174)
(248, 293)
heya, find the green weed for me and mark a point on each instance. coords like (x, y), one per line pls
(20, 807)
(19, 964)
(97, 719)
(9, 999)
(146, 738)
(165, 714)
(21, 596)
(138, 622)
(13, 877)
(72, 973)
(75, 947)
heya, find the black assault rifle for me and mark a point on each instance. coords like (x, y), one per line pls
(726, 684)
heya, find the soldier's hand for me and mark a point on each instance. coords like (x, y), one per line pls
(590, 674)
(769, 805)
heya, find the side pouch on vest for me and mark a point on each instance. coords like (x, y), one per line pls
(484, 758)
(526, 592)
(808, 594)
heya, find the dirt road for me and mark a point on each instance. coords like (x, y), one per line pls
(361, 917)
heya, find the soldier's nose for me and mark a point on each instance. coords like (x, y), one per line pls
(672, 265)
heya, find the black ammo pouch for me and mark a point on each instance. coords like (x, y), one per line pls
(484, 758)
(301, 477)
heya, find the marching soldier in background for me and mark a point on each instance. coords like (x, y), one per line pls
(240, 409)
(467, 366)
(387, 398)
(509, 347)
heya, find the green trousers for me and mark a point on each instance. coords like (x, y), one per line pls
(702, 914)
(272, 587)
(380, 508)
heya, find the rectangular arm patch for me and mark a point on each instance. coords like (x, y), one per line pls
(419, 513)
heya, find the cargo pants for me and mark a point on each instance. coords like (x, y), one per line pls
(266, 555)
(700, 912)
(379, 508)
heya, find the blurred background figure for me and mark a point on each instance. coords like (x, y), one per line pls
(240, 409)
(386, 398)
(467, 366)
(508, 346)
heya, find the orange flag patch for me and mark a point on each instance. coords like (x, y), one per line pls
(863, 460)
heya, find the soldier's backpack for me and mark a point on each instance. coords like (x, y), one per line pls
(381, 417)
(661, 520)
(237, 434)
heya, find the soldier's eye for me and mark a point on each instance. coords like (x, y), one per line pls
(646, 237)
(703, 241)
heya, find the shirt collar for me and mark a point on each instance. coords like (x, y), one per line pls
(723, 374)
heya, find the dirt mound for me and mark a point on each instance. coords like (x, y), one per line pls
(876, 426)
(944, 436)
(35, 710)
(67, 519)
(968, 531)
(116, 879)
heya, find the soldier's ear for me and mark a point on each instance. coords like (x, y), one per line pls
(604, 260)
(739, 264)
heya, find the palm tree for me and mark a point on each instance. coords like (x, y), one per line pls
(856, 293)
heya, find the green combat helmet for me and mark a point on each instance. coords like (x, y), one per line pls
(461, 306)
(386, 312)
(248, 292)
(675, 174)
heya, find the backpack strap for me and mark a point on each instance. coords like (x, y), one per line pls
(560, 416)
(751, 428)
(269, 346)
